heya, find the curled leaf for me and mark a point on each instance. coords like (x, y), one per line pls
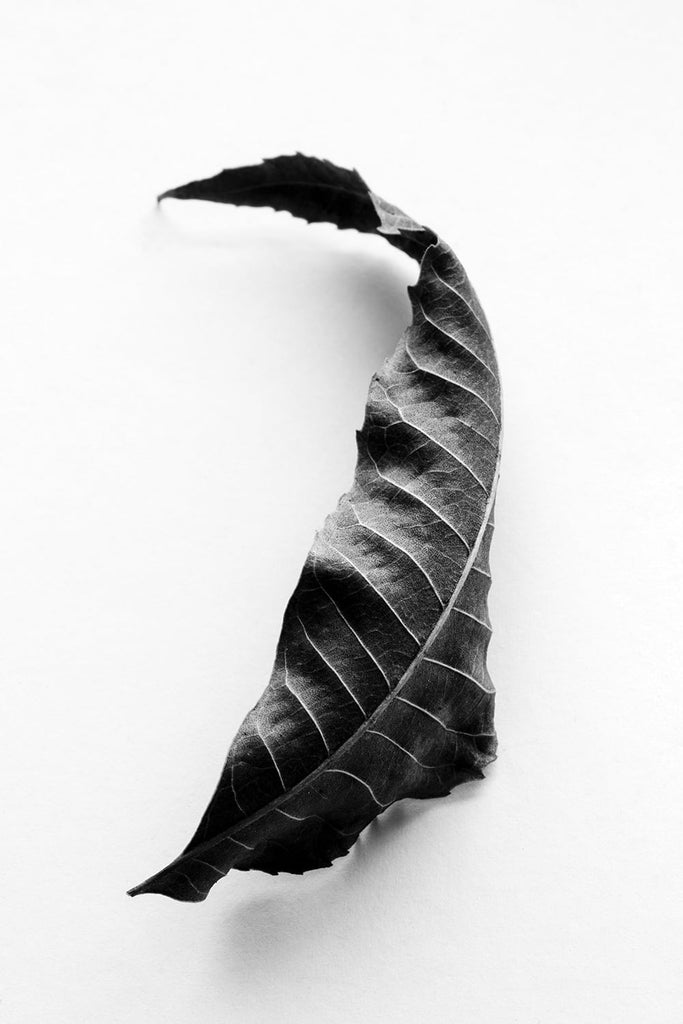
(380, 689)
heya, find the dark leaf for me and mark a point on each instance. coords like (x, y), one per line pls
(380, 689)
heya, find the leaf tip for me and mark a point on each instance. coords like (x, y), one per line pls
(136, 890)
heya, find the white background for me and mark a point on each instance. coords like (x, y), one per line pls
(178, 395)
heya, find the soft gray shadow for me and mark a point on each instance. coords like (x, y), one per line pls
(287, 920)
(312, 262)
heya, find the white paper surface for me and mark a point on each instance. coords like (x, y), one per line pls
(178, 396)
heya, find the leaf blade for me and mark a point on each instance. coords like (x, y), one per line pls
(380, 688)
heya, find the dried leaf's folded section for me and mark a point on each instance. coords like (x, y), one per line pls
(380, 689)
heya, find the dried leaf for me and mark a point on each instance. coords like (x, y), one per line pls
(380, 689)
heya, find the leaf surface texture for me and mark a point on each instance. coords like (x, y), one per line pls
(380, 689)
